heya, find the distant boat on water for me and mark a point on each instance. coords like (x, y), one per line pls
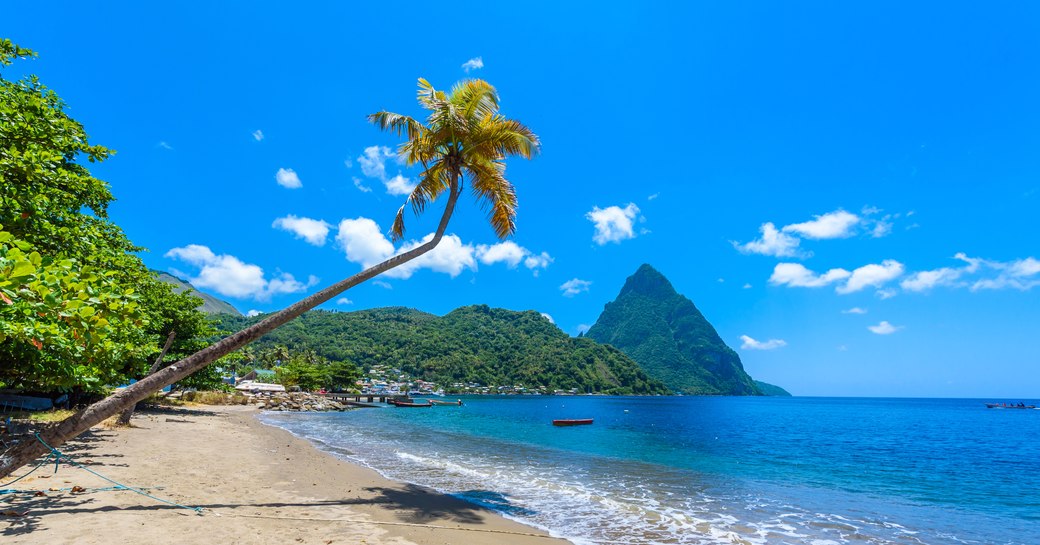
(1009, 406)
(572, 422)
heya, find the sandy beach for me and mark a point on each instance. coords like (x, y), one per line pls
(255, 484)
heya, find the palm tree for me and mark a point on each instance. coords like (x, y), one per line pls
(463, 139)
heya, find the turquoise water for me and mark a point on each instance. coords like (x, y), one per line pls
(699, 470)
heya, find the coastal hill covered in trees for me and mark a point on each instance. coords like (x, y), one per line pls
(473, 344)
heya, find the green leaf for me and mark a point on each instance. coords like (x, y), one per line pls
(22, 269)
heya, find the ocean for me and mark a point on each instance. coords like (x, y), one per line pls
(707, 470)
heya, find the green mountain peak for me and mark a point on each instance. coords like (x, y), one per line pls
(670, 339)
(647, 281)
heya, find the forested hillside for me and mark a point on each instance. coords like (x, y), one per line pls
(477, 344)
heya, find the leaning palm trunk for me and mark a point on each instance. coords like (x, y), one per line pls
(28, 450)
(464, 135)
(125, 416)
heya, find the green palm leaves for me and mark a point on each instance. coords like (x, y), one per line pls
(464, 138)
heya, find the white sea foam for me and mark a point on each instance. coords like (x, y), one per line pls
(605, 502)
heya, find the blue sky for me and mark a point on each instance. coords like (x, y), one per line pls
(849, 193)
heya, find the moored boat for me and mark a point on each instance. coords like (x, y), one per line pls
(405, 404)
(572, 422)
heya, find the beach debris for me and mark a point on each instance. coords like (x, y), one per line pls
(78, 489)
(14, 513)
(39, 493)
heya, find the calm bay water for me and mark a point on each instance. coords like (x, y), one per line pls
(704, 470)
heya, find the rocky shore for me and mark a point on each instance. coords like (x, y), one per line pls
(295, 401)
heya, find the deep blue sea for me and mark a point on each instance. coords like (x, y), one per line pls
(820, 471)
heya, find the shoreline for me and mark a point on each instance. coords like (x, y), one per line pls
(257, 483)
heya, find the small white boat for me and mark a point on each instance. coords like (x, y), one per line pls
(252, 386)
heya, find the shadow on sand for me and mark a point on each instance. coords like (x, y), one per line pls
(408, 503)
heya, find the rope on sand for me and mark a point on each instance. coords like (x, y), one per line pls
(58, 455)
(385, 523)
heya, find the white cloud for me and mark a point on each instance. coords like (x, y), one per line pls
(752, 344)
(348, 163)
(613, 223)
(253, 312)
(165, 146)
(450, 257)
(399, 185)
(926, 280)
(512, 254)
(654, 196)
(229, 276)
(582, 328)
(887, 293)
(747, 286)
(884, 328)
(382, 284)
(1024, 267)
(855, 310)
(574, 286)
(837, 224)
(344, 301)
(872, 276)
(507, 252)
(313, 231)
(547, 317)
(978, 274)
(540, 261)
(373, 161)
(473, 64)
(796, 275)
(881, 228)
(773, 242)
(258, 135)
(373, 165)
(286, 177)
(361, 187)
(364, 242)
(785, 242)
(1021, 274)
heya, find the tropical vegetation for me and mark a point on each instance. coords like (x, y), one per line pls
(473, 345)
(464, 139)
(79, 311)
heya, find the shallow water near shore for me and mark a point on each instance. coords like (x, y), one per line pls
(700, 470)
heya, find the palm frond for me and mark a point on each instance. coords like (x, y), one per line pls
(397, 124)
(476, 98)
(496, 195)
(432, 182)
(397, 229)
(462, 133)
(502, 138)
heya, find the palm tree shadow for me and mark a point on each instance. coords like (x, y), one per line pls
(408, 503)
(417, 505)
